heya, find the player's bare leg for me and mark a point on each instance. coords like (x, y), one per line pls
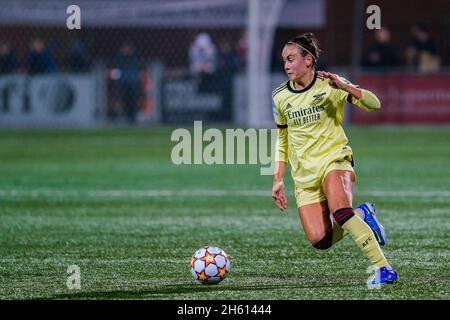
(340, 183)
(320, 229)
(338, 188)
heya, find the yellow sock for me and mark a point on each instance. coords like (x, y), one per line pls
(366, 241)
(338, 233)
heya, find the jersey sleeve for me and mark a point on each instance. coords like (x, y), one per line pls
(278, 117)
(281, 146)
(343, 96)
(368, 102)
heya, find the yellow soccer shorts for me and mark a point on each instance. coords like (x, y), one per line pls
(315, 194)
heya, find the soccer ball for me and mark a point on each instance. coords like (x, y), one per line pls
(210, 265)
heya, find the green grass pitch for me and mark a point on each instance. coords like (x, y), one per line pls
(89, 198)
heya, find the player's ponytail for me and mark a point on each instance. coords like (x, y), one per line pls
(308, 44)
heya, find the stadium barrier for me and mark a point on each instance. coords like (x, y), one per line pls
(43, 100)
(406, 99)
(84, 100)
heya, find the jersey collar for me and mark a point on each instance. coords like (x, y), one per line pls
(291, 89)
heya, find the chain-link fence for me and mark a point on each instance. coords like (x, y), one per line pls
(128, 62)
(173, 61)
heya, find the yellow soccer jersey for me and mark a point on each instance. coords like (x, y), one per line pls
(314, 137)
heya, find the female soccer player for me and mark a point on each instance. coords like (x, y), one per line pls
(308, 110)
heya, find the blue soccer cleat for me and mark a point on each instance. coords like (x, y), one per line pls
(372, 221)
(382, 276)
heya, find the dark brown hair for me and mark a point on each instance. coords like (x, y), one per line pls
(307, 44)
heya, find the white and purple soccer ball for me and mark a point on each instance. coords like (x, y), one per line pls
(210, 265)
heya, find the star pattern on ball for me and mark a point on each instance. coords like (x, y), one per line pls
(208, 258)
(202, 276)
(192, 262)
(222, 272)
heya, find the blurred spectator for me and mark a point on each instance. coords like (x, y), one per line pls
(382, 54)
(8, 63)
(241, 51)
(228, 65)
(79, 58)
(39, 59)
(203, 54)
(422, 53)
(227, 59)
(128, 64)
(203, 61)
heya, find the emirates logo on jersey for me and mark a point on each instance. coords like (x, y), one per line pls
(305, 115)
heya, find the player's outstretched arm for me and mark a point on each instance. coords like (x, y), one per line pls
(362, 98)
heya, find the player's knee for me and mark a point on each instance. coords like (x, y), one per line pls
(324, 243)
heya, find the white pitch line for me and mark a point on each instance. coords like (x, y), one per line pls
(405, 193)
(198, 193)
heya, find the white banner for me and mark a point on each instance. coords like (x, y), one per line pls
(47, 100)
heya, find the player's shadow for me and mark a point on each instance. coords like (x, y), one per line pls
(157, 292)
(176, 290)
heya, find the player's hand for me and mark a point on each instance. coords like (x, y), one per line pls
(278, 195)
(333, 79)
